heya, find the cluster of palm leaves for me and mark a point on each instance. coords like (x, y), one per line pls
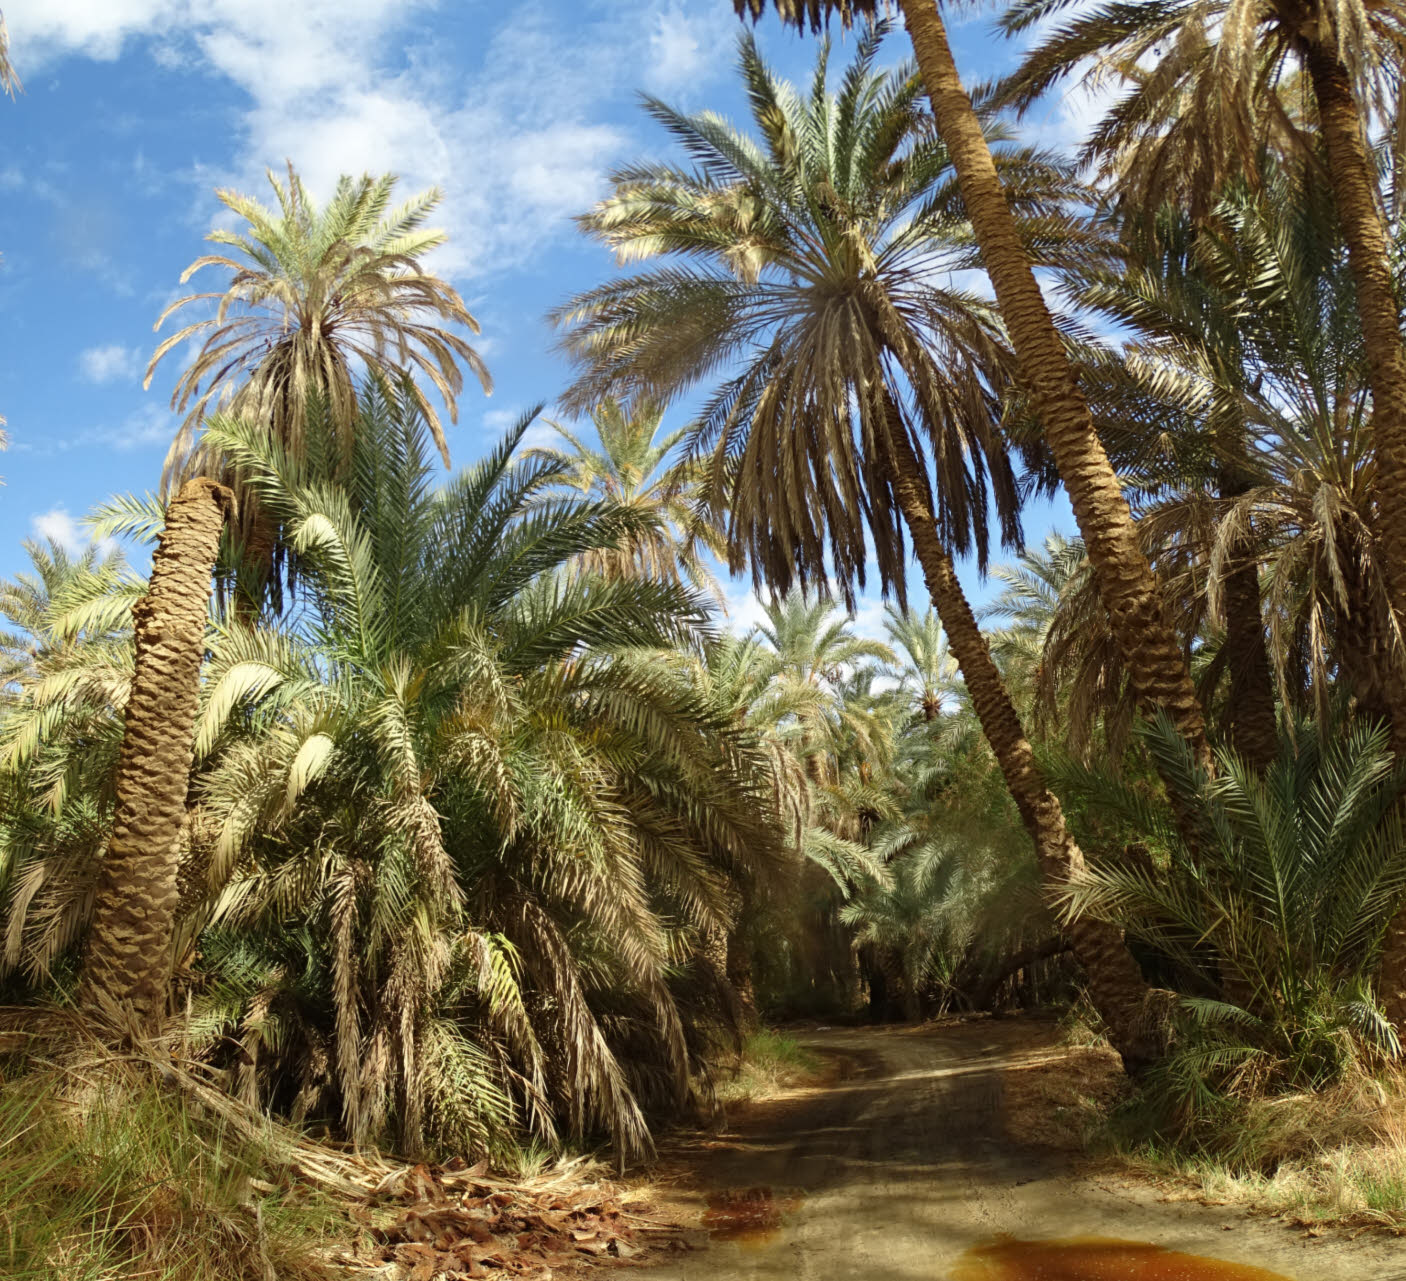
(458, 819)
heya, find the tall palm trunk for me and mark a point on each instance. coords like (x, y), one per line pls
(128, 963)
(1354, 178)
(1115, 983)
(1254, 727)
(1149, 647)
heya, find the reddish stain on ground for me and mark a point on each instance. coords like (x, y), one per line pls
(1095, 1259)
(749, 1216)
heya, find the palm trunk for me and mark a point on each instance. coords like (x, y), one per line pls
(1149, 646)
(128, 963)
(739, 977)
(1115, 983)
(1354, 179)
(1254, 727)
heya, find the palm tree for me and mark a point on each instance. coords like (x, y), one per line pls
(127, 968)
(472, 813)
(1156, 663)
(812, 646)
(314, 295)
(812, 260)
(632, 469)
(1276, 919)
(1245, 374)
(1209, 84)
(927, 675)
(67, 662)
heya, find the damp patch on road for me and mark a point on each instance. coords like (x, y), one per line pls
(752, 1217)
(1095, 1259)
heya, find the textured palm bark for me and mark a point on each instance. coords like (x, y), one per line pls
(129, 952)
(1354, 178)
(739, 977)
(1156, 664)
(1254, 725)
(1115, 983)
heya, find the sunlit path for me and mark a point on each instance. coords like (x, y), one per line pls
(904, 1171)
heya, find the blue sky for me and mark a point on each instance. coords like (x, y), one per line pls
(135, 110)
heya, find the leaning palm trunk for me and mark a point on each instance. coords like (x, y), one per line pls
(128, 962)
(1116, 985)
(1154, 658)
(1353, 176)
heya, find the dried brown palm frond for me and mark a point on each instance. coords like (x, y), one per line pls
(814, 14)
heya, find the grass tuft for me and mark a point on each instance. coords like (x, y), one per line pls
(770, 1061)
(107, 1174)
(1335, 1156)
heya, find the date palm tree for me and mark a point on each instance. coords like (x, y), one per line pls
(928, 674)
(1156, 662)
(1246, 413)
(314, 297)
(811, 258)
(480, 802)
(633, 467)
(1210, 86)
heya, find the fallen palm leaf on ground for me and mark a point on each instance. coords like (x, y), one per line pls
(461, 1222)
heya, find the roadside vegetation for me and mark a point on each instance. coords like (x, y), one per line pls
(448, 817)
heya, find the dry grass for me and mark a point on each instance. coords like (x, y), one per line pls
(1334, 1157)
(770, 1062)
(110, 1175)
(1059, 1088)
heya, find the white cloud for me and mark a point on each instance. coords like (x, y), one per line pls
(110, 363)
(517, 143)
(746, 609)
(683, 48)
(58, 525)
(144, 428)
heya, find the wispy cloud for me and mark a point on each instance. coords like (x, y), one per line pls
(110, 363)
(518, 143)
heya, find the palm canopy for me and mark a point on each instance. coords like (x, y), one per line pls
(1208, 83)
(1277, 915)
(636, 466)
(458, 820)
(506, 764)
(929, 673)
(316, 296)
(808, 287)
(811, 649)
(1244, 352)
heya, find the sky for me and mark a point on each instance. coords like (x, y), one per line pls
(134, 111)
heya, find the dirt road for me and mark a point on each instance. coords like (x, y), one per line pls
(904, 1164)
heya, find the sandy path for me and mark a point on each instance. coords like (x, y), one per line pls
(890, 1174)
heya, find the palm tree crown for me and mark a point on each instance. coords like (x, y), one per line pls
(808, 275)
(633, 468)
(314, 292)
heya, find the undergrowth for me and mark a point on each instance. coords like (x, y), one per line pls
(1336, 1155)
(108, 1174)
(770, 1061)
